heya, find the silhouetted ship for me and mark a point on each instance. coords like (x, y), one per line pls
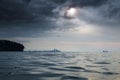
(54, 50)
(104, 51)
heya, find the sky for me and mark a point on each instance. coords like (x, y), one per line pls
(68, 25)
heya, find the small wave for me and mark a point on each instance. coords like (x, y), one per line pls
(105, 73)
(48, 64)
(92, 71)
(50, 74)
(63, 69)
(109, 73)
(105, 69)
(73, 78)
(76, 68)
(89, 60)
(102, 62)
(40, 64)
(93, 66)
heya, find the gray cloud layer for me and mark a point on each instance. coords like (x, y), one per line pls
(23, 18)
(28, 9)
(12, 9)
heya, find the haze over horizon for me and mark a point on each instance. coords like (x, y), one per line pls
(68, 25)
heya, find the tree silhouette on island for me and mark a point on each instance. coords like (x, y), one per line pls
(6, 45)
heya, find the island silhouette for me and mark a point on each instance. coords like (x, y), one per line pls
(6, 45)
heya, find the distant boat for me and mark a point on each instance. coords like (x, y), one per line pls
(54, 50)
(105, 51)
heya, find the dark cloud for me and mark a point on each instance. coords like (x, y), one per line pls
(112, 9)
(58, 1)
(30, 29)
(31, 9)
(84, 3)
(20, 18)
(13, 10)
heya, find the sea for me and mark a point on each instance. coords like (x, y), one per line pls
(35, 65)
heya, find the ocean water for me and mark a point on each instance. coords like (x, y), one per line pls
(59, 66)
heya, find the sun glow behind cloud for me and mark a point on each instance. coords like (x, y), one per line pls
(71, 12)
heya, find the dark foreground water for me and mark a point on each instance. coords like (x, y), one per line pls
(59, 66)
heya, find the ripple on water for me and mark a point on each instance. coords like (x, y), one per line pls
(93, 66)
(27, 76)
(91, 71)
(109, 73)
(105, 69)
(104, 73)
(69, 68)
(103, 62)
(76, 68)
(73, 78)
(63, 69)
(48, 64)
(44, 74)
(40, 64)
(50, 74)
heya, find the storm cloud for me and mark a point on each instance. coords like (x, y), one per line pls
(12, 9)
(23, 18)
(30, 9)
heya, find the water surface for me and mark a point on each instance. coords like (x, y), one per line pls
(59, 66)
